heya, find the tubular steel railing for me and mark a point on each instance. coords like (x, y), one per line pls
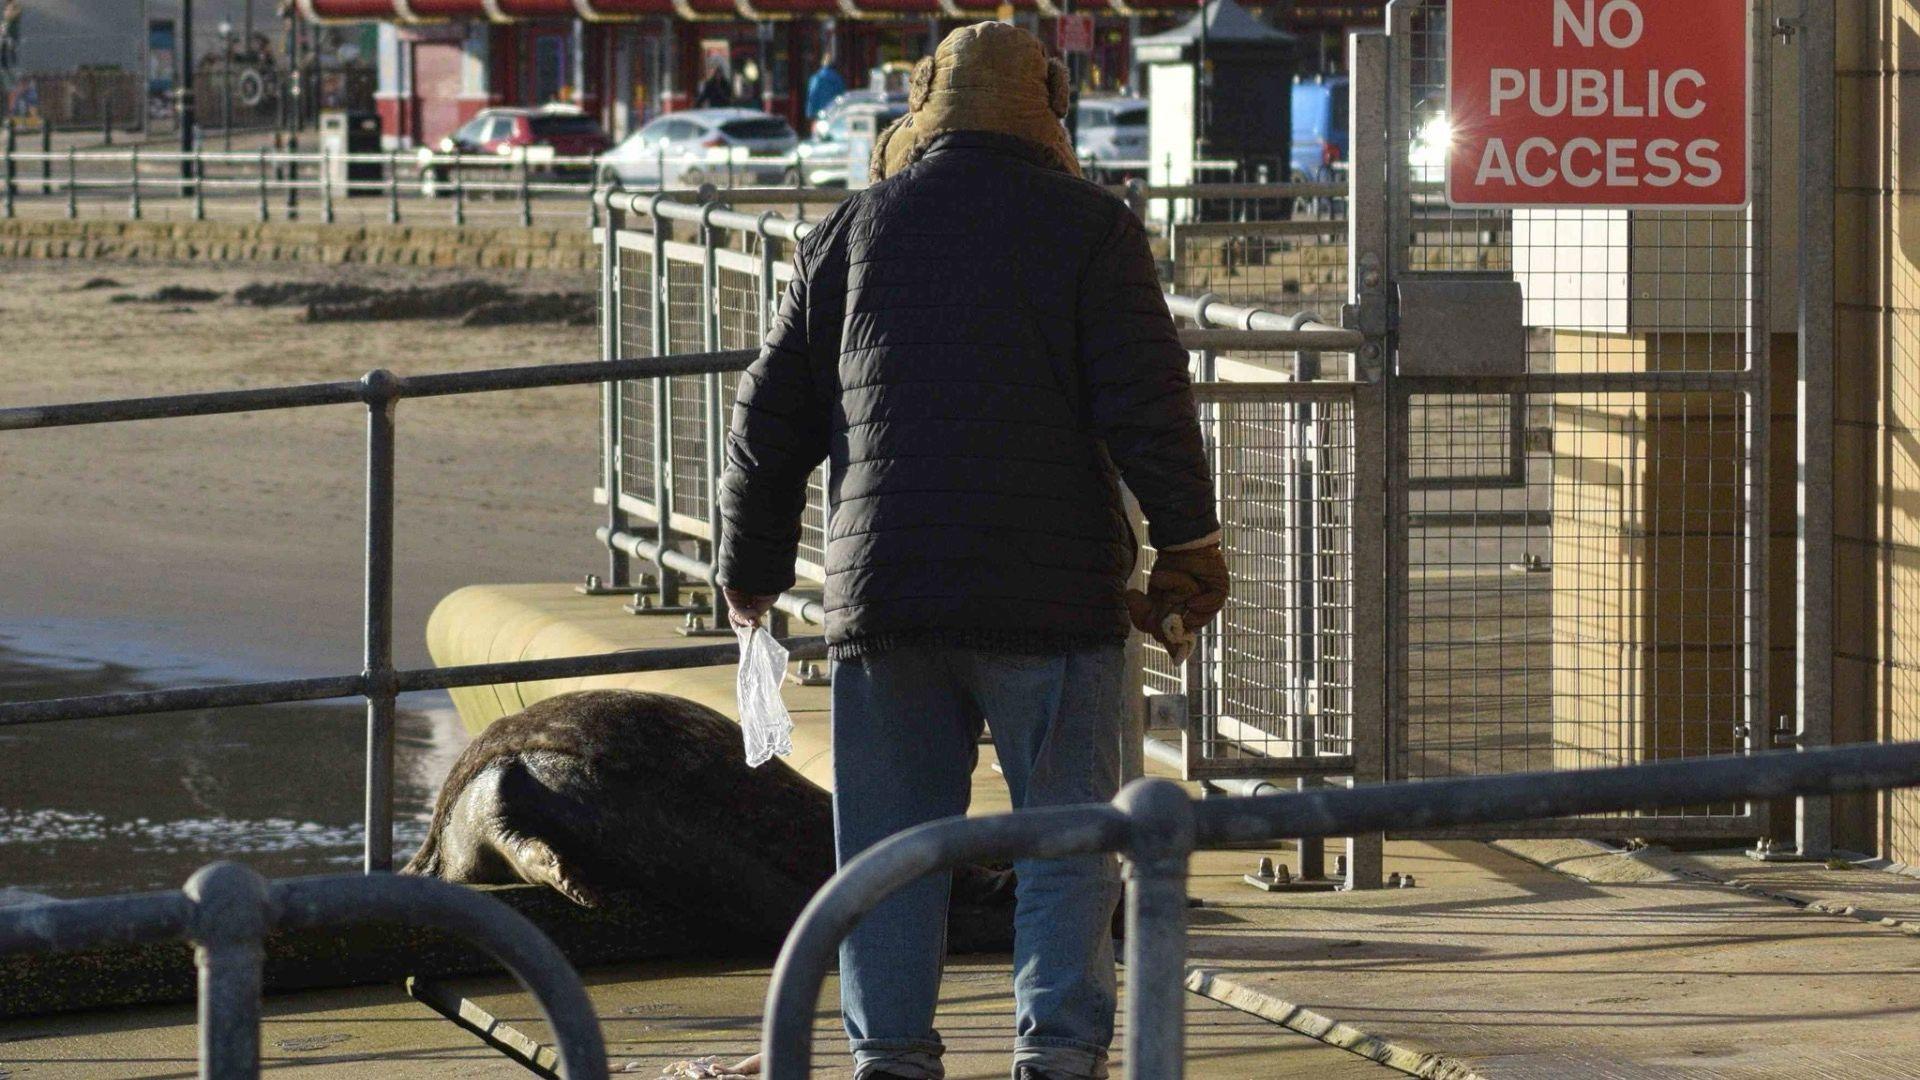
(1158, 827)
(226, 910)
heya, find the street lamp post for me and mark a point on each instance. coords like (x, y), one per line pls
(226, 83)
(183, 95)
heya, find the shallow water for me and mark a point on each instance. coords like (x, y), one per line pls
(113, 805)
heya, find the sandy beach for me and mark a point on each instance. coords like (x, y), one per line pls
(239, 537)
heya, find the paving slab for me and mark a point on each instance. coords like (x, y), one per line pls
(653, 1014)
(1498, 967)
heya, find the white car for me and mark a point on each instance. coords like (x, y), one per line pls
(1112, 130)
(825, 156)
(728, 147)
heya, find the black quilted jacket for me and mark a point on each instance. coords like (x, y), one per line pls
(975, 344)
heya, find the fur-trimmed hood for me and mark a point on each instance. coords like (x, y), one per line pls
(986, 77)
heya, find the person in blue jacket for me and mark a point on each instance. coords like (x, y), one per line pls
(824, 88)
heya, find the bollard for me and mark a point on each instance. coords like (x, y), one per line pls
(228, 925)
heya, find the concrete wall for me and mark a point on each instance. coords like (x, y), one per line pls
(1877, 409)
(504, 247)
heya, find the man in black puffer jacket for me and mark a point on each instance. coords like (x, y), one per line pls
(978, 346)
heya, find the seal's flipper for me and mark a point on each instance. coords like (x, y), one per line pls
(547, 835)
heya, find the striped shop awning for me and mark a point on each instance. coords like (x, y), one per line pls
(424, 11)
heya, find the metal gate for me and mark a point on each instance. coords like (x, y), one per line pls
(1576, 505)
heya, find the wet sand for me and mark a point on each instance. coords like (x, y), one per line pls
(175, 552)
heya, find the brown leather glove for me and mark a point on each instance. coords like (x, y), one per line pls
(1192, 583)
(745, 609)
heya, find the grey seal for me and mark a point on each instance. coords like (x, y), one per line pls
(617, 796)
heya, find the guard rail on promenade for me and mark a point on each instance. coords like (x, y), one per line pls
(227, 910)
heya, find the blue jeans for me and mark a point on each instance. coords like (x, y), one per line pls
(906, 728)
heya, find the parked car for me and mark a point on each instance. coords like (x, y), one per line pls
(1319, 129)
(724, 146)
(537, 136)
(824, 158)
(1112, 130)
(864, 96)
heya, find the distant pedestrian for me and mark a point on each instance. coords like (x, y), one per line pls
(824, 88)
(10, 35)
(746, 86)
(714, 92)
(978, 347)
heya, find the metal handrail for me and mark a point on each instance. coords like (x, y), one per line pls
(378, 682)
(1159, 827)
(227, 910)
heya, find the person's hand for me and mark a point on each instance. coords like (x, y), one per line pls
(1184, 592)
(745, 609)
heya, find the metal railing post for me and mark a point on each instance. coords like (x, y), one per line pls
(611, 341)
(293, 175)
(73, 185)
(667, 582)
(1380, 550)
(265, 212)
(198, 165)
(713, 416)
(1813, 817)
(459, 190)
(1161, 840)
(326, 184)
(526, 193)
(133, 197)
(46, 156)
(12, 142)
(228, 926)
(379, 389)
(393, 187)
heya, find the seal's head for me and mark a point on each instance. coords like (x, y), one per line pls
(986, 77)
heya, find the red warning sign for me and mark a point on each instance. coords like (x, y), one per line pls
(1598, 103)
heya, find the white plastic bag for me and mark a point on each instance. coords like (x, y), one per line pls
(763, 716)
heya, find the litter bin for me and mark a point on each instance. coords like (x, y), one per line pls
(344, 133)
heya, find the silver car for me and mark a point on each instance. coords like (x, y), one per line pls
(1112, 130)
(728, 147)
(824, 158)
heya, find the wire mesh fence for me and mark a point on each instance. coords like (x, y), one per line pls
(1582, 538)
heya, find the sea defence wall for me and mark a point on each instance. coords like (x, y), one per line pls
(505, 247)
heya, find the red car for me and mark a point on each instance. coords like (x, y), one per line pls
(538, 135)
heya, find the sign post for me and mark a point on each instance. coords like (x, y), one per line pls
(1076, 34)
(1598, 103)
